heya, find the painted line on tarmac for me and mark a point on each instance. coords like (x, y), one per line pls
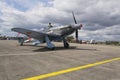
(40, 77)
(21, 54)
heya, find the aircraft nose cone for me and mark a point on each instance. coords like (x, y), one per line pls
(80, 26)
(77, 26)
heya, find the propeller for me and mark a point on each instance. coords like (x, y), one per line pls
(76, 32)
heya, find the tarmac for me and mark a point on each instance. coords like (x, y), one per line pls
(79, 62)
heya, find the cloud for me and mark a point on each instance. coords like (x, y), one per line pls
(108, 33)
(100, 18)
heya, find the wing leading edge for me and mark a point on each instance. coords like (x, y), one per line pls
(34, 34)
(30, 33)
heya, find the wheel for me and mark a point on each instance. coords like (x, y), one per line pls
(21, 44)
(51, 48)
(66, 45)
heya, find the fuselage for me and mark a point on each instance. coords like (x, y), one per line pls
(62, 30)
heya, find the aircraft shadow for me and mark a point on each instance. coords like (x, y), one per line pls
(45, 49)
(31, 45)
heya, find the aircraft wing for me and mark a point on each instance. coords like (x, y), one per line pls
(34, 34)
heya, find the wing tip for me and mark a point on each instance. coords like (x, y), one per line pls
(14, 29)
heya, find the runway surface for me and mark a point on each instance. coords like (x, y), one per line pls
(79, 62)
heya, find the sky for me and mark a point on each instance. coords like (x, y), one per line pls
(100, 18)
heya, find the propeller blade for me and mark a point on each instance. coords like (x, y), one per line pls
(74, 18)
(76, 33)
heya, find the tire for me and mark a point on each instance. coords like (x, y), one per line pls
(21, 44)
(66, 45)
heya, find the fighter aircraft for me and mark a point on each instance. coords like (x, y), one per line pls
(51, 34)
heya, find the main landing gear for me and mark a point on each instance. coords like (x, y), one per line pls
(66, 45)
(49, 44)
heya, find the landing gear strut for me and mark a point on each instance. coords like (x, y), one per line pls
(66, 45)
(21, 41)
(49, 44)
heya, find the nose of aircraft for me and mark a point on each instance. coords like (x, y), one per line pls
(77, 26)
